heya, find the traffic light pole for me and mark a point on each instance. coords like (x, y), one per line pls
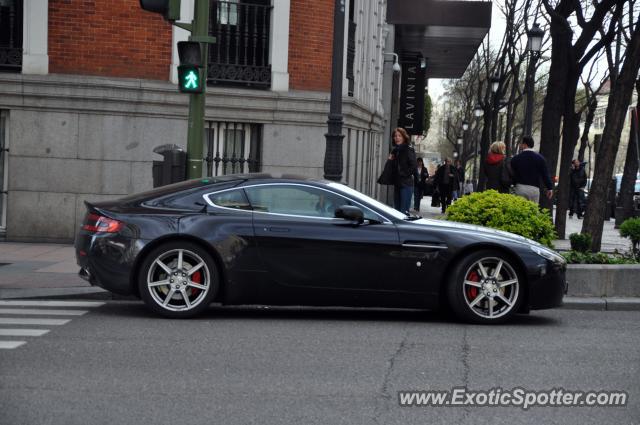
(195, 132)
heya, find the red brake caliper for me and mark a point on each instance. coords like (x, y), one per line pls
(472, 291)
(196, 278)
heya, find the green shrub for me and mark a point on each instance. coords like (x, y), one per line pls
(575, 257)
(504, 212)
(631, 229)
(580, 242)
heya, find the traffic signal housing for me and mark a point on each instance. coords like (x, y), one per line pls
(190, 70)
(170, 9)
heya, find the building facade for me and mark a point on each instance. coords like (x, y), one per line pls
(88, 90)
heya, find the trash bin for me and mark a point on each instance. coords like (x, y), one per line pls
(173, 167)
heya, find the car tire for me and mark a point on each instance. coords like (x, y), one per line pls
(485, 287)
(178, 279)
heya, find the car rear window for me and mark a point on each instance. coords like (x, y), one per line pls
(189, 198)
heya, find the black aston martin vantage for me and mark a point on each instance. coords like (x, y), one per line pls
(260, 239)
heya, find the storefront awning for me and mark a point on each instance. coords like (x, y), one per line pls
(446, 33)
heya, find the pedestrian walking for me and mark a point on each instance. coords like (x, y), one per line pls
(446, 180)
(405, 158)
(529, 170)
(419, 183)
(497, 169)
(578, 180)
(457, 191)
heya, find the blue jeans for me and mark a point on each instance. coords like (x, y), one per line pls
(402, 198)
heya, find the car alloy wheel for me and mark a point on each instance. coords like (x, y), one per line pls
(178, 280)
(491, 288)
(485, 288)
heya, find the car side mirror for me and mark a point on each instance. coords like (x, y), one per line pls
(351, 213)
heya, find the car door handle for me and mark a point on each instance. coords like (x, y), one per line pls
(277, 229)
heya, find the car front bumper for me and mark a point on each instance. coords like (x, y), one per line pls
(548, 286)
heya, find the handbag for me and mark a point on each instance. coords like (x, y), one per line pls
(506, 174)
(388, 173)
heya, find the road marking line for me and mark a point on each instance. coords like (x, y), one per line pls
(8, 345)
(44, 312)
(44, 303)
(43, 322)
(23, 332)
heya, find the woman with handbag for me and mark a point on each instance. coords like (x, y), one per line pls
(399, 170)
(496, 168)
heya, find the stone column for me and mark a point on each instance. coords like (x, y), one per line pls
(35, 58)
(279, 45)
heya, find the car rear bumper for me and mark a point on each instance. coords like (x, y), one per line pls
(107, 260)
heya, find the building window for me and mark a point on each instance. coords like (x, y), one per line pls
(240, 56)
(10, 35)
(351, 49)
(232, 147)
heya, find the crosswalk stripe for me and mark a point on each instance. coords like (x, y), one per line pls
(43, 312)
(23, 332)
(46, 303)
(41, 322)
(8, 345)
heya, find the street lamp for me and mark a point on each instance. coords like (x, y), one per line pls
(495, 83)
(535, 36)
(534, 44)
(478, 112)
(455, 154)
(396, 64)
(465, 125)
(333, 151)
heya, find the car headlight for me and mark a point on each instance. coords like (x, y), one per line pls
(547, 254)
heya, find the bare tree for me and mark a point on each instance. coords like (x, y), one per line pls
(619, 98)
(629, 175)
(570, 54)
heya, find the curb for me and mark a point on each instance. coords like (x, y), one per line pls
(601, 304)
(94, 293)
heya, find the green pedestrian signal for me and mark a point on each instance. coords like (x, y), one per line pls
(189, 79)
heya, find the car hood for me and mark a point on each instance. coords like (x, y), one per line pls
(479, 230)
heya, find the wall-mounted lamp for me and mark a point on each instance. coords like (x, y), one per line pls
(423, 63)
(396, 64)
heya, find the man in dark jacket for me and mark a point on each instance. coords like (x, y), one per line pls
(457, 191)
(529, 170)
(578, 180)
(446, 179)
(419, 184)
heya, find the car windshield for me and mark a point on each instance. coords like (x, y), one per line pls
(366, 199)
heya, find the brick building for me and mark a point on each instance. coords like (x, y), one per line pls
(87, 91)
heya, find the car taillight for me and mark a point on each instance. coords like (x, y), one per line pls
(100, 223)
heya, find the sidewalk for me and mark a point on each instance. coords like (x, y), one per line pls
(40, 270)
(29, 270)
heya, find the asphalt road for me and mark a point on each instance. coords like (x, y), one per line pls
(118, 364)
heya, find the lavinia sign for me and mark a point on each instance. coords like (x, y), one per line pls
(412, 86)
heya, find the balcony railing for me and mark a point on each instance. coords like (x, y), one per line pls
(241, 54)
(11, 35)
